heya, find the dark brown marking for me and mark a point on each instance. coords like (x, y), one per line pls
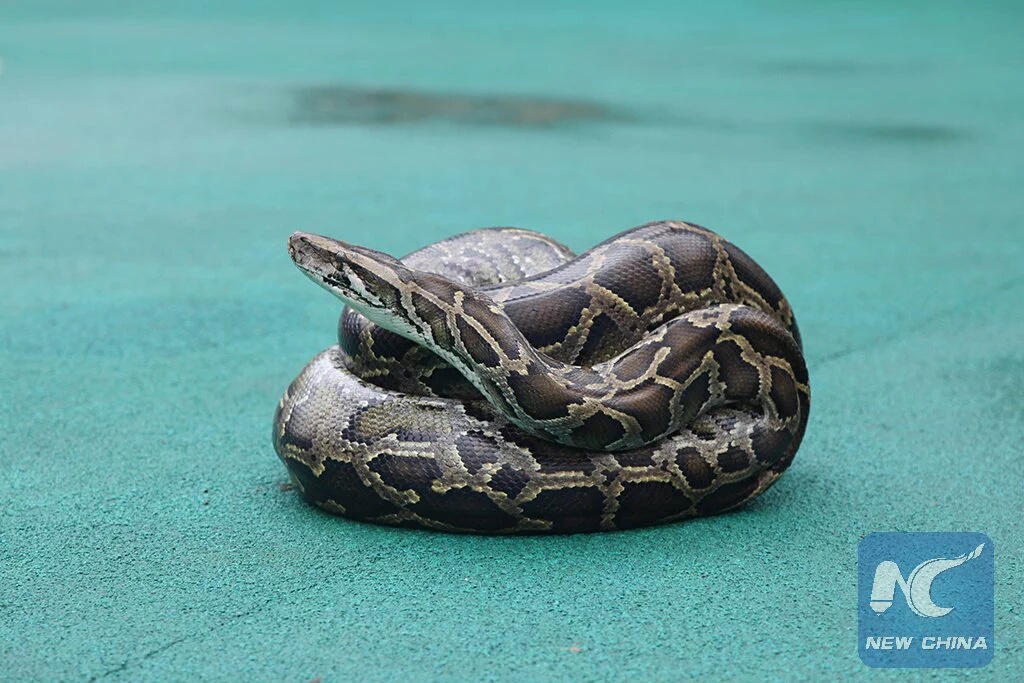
(340, 482)
(541, 396)
(632, 277)
(406, 472)
(476, 345)
(410, 434)
(640, 502)
(597, 432)
(596, 342)
(688, 345)
(693, 257)
(768, 337)
(477, 449)
(770, 445)
(544, 318)
(741, 379)
(442, 288)
(289, 436)
(350, 327)
(427, 310)
(638, 457)
(753, 275)
(551, 457)
(570, 509)
(694, 396)
(727, 496)
(698, 473)
(385, 343)
(435, 317)
(383, 289)
(783, 393)
(479, 410)
(635, 363)
(733, 459)
(463, 508)
(501, 329)
(447, 381)
(509, 480)
(650, 404)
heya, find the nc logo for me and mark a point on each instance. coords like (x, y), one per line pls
(917, 588)
(958, 631)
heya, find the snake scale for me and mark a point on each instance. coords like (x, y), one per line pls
(496, 383)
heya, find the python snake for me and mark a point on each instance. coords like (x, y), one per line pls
(495, 383)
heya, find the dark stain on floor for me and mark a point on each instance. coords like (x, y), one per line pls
(908, 133)
(339, 104)
(818, 67)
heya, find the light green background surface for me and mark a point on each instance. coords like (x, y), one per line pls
(154, 158)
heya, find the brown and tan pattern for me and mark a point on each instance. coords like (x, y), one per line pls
(657, 376)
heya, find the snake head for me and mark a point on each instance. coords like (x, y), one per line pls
(373, 283)
(367, 280)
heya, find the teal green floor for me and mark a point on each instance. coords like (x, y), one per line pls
(153, 160)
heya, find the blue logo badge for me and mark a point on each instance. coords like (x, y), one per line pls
(925, 599)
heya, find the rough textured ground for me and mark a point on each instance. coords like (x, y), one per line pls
(153, 161)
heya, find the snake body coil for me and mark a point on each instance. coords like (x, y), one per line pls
(493, 382)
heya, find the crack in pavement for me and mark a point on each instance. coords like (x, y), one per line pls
(123, 666)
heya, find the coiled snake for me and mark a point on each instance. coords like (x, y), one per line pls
(655, 377)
